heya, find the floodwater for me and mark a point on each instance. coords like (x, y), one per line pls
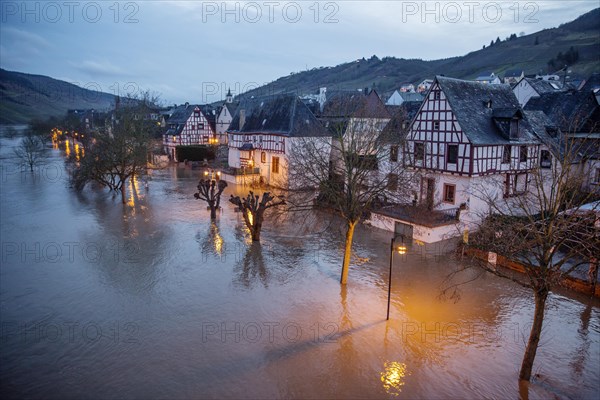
(151, 300)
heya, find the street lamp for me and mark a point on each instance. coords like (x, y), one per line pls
(401, 249)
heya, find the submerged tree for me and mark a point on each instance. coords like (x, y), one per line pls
(357, 168)
(253, 210)
(120, 151)
(210, 191)
(31, 150)
(549, 229)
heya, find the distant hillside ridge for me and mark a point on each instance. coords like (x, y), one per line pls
(24, 97)
(530, 53)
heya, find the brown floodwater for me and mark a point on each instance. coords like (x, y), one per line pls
(152, 300)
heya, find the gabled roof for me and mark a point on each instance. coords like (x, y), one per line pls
(486, 76)
(542, 86)
(280, 114)
(571, 111)
(353, 104)
(395, 131)
(470, 102)
(180, 115)
(513, 73)
(210, 113)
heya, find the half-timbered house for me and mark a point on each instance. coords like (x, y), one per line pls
(189, 125)
(264, 131)
(468, 136)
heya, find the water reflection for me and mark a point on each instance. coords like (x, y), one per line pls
(212, 242)
(187, 342)
(393, 376)
(252, 267)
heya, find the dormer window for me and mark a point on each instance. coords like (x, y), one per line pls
(514, 128)
(488, 104)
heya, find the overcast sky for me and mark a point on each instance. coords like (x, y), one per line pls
(194, 51)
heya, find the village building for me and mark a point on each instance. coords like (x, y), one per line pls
(488, 78)
(188, 125)
(262, 135)
(512, 76)
(527, 88)
(466, 137)
(224, 117)
(399, 97)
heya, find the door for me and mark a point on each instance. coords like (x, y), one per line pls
(406, 230)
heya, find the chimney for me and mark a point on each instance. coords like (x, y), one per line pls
(242, 119)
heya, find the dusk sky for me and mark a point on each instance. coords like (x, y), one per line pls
(194, 51)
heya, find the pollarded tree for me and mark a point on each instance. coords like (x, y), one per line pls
(551, 229)
(253, 210)
(210, 191)
(356, 170)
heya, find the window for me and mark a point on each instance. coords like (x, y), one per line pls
(419, 151)
(523, 153)
(436, 95)
(394, 153)
(515, 185)
(392, 183)
(275, 165)
(449, 193)
(506, 154)
(545, 159)
(597, 176)
(263, 157)
(436, 125)
(452, 156)
(201, 126)
(514, 129)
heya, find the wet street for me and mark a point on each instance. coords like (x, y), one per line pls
(150, 300)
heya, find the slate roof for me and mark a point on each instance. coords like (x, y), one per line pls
(180, 115)
(348, 104)
(469, 99)
(571, 111)
(513, 73)
(394, 131)
(282, 114)
(592, 83)
(546, 131)
(542, 86)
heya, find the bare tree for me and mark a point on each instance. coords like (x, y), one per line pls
(210, 191)
(354, 172)
(551, 229)
(120, 151)
(253, 210)
(31, 150)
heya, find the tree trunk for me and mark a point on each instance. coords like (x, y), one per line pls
(123, 192)
(257, 229)
(347, 252)
(540, 296)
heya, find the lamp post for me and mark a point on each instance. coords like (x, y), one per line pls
(401, 249)
(213, 174)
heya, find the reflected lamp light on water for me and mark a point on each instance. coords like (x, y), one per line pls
(393, 376)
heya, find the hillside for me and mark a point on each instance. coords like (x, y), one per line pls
(24, 97)
(530, 53)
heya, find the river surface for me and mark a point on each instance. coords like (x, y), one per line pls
(150, 300)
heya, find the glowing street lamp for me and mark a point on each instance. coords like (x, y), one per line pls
(402, 250)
